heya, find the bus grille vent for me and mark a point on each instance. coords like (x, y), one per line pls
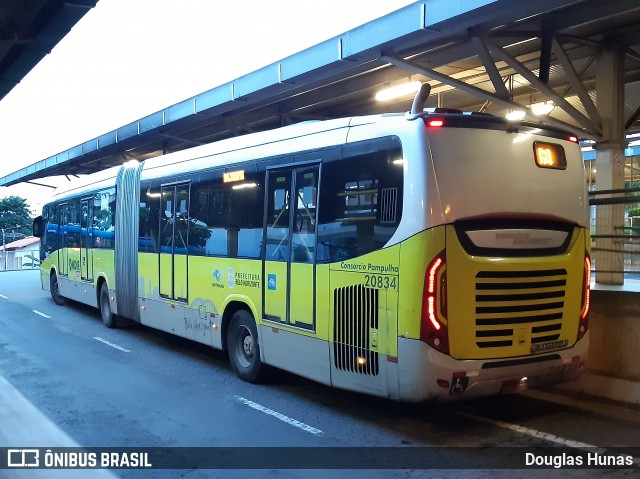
(388, 205)
(512, 306)
(356, 314)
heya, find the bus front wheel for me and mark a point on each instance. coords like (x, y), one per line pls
(108, 318)
(55, 290)
(242, 343)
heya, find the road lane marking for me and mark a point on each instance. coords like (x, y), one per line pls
(539, 434)
(282, 417)
(3, 296)
(530, 432)
(41, 314)
(109, 343)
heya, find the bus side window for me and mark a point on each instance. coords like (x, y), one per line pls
(217, 218)
(226, 218)
(181, 228)
(104, 207)
(73, 224)
(149, 206)
(52, 234)
(360, 200)
(199, 233)
(247, 206)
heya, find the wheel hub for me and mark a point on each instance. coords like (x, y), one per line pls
(247, 345)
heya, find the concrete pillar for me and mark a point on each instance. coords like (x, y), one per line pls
(608, 256)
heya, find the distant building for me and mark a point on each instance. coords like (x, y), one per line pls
(20, 254)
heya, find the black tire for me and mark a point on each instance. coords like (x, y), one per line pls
(243, 347)
(55, 291)
(108, 318)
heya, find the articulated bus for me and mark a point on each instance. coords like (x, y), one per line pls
(409, 256)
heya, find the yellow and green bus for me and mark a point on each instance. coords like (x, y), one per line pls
(410, 256)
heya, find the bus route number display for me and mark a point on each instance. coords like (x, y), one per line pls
(549, 155)
(232, 176)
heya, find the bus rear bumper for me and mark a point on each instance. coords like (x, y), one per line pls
(425, 373)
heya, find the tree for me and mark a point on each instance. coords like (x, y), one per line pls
(15, 218)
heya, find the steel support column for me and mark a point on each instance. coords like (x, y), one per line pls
(608, 251)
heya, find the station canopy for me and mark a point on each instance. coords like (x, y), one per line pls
(479, 55)
(29, 29)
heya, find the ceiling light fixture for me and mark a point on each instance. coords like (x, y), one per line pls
(404, 89)
(542, 108)
(515, 115)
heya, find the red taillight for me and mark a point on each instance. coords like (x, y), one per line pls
(435, 123)
(432, 330)
(573, 139)
(432, 275)
(586, 298)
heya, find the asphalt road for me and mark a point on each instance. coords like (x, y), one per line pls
(136, 387)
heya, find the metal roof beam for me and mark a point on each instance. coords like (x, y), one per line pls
(447, 80)
(632, 53)
(631, 120)
(576, 83)
(41, 184)
(545, 89)
(545, 52)
(593, 12)
(490, 66)
(578, 41)
(483, 94)
(181, 139)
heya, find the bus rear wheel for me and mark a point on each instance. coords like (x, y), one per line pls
(244, 350)
(55, 290)
(108, 318)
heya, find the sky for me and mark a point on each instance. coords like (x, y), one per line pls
(126, 59)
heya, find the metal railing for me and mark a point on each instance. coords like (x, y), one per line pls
(615, 230)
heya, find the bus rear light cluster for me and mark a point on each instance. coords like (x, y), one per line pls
(434, 306)
(583, 326)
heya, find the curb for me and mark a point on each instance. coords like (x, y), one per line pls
(606, 387)
(24, 425)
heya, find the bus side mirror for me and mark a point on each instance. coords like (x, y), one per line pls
(38, 227)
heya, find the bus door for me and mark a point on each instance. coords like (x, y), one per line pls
(174, 224)
(63, 252)
(290, 246)
(86, 240)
